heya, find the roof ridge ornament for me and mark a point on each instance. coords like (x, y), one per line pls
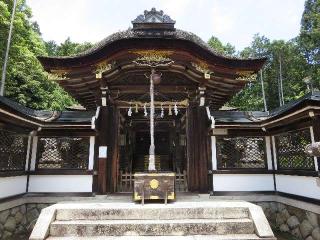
(153, 20)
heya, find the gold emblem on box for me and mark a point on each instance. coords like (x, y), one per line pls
(154, 183)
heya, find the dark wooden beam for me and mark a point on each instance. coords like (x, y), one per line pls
(146, 88)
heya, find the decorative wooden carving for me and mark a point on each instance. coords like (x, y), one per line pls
(246, 76)
(153, 58)
(57, 75)
(202, 67)
(103, 67)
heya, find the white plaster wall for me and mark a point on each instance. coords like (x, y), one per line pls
(268, 151)
(60, 183)
(91, 153)
(10, 186)
(298, 185)
(243, 182)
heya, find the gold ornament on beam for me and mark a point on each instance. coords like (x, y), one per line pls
(103, 67)
(57, 75)
(202, 67)
(153, 58)
(246, 76)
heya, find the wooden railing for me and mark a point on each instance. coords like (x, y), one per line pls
(181, 181)
(125, 183)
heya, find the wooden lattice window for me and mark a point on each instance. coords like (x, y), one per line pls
(63, 153)
(290, 148)
(241, 152)
(13, 151)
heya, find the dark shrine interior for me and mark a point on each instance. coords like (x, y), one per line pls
(170, 140)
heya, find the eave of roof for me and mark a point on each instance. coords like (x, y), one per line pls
(60, 61)
(221, 117)
(310, 97)
(45, 116)
(257, 117)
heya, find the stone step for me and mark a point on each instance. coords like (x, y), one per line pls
(193, 237)
(151, 213)
(152, 227)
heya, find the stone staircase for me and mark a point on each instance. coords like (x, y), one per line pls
(179, 220)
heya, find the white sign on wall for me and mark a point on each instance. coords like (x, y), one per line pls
(103, 151)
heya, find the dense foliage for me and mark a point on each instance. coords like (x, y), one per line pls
(219, 47)
(28, 84)
(294, 69)
(300, 58)
(66, 48)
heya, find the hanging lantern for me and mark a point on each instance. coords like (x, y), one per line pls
(136, 107)
(170, 110)
(156, 78)
(145, 110)
(175, 109)
(162, 111)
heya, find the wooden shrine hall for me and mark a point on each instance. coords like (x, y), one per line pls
(112, 76)
(99, 148)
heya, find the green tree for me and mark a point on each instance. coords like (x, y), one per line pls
(309, 38)
(300, 57)
(67, 48)
(293, 71)
(220, 48)
(51, 48)
(27, 83)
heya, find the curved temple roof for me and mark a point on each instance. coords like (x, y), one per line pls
(195, 65)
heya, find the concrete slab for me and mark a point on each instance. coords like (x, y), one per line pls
(42, 227)
(194, 237)
(180, 227)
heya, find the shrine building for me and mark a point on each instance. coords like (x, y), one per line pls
(96, 149)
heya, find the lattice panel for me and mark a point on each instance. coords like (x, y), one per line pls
(63, 153)
(290, 150)
(13, 151)
(241, 152)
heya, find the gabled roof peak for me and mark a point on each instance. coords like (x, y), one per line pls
(153, 19)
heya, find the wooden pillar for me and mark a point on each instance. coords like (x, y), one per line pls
(113, 131)
(177, 154)
(199, 149)
(103, 126)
